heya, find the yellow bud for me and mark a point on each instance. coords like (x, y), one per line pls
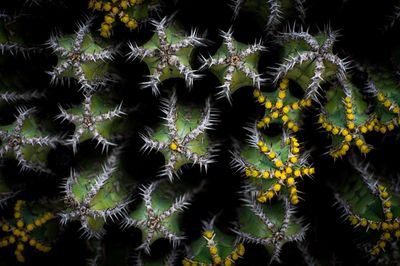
(278, 163)
(275, 115)
(277, 187)
(270, 194)
(279, 104)
(268, 105)
(272, 155)
(213, 250)
(297, 173)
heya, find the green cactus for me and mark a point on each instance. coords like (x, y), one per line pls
(214, 248)
(235, 65)
(270, 225)
(95, 194)
(371, 205)
(385, 89)
(272, 164)
(26, 141)
(158, 215)
(183, 138)
(345, 117)
(309, 61)
(115, 208)
(81, 57)
(93, 120)
(167, 55)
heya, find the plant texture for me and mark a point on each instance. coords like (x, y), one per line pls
(199, 133)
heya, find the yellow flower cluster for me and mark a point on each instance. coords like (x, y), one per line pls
(285, 173)
(390, 227)
(115, 9)
(20, 232)
(392, 107)
(279, 109)
(351, 133)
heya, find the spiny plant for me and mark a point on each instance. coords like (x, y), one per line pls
(167, 55)
(235, 64)
(24, 141)
(158, 214)
(281, 107)
(81, 174)
(310, 60)
(269, 225)
(182, 139)
(93, 197)
(80, 57)
(92, 120)
(272, 165)
(213, 248)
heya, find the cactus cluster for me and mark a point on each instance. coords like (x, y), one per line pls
(126, 137)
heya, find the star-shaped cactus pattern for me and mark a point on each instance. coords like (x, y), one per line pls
(272, 164)
(92, 120)
(281, 107)
(158, 215)
(167, 55)
(80, 57)
(94, 195)
(129, 12)
(369, 204)
(182, 139)
(345, 116)
(22, 140)
(213, 248)
(235, 64)
(24, 232)
(310, 61)
(269, 225)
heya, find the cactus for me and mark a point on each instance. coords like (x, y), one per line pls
(370, 205)
(158, 214)
(81, 58)
(269, 225)
(92, 120)
(23, 141)
(167, 55)
(235, 64)
(93, 197)
(183, 138)
(310, 60)
(247, 181)
(346, 118)
(285, 109)
(214, 248)
(273, 165)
